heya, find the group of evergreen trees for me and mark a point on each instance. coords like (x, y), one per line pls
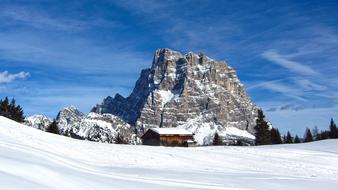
(53, 128)
(12, 111)
(266, 135)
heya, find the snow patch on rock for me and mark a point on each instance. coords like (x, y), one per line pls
(166, 96)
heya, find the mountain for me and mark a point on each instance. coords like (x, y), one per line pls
(94, 127)
(38, 121)
(178, 88)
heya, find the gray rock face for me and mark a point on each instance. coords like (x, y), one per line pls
(94, 127)
(179, 88)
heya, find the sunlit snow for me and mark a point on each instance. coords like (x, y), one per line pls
(33, 159)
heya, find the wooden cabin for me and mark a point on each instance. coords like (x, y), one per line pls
(167, 137)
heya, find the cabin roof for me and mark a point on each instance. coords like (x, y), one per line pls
(171, 131)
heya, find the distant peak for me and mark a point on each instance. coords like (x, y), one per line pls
(72, 107)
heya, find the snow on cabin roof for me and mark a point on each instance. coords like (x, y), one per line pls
(171, 131)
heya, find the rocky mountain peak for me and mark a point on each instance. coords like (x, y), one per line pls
(177, 88)
(38, 121)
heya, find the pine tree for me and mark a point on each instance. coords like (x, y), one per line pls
(217, 140)
(308, 135)
(12, 108)
(19, 116)
(275, 136)
(333, 130)
(119, 139)
(53, 128)
(324, 135)
(315, 133)
(263, 134)
(1, 107)
(6, 105)
(4, 108)
(297, 140)
(289, 138)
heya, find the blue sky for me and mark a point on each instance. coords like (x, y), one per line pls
(59, 53)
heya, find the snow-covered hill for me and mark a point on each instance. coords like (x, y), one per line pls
(33, 159)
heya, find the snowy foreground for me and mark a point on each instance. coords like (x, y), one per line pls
(32, 159)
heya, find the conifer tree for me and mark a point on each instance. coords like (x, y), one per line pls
(323, 135)
(4, 111)
(119, 139)
(275, 136)
(333, 130)
(17, 114)
(308, 135)
(53, 128)
(263, 134)
(289, 138)
(217, 140)
(5, 105)
(12, 107)
(315, 133)
(297, 140)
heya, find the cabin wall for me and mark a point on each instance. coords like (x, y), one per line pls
(151, 141)
(151, 138)
(154, 139)
(175, 140)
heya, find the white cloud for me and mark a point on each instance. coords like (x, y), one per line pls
(39, 19)
(282, 86)
(69, 52)
(298, 121)
(285, 89)
(6, 77)
(293, 66)
(310, 86)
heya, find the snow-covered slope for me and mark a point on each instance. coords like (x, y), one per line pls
(33, 159)
(204, 132)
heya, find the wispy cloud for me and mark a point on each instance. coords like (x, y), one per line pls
(6, 77)
(39, 19)
(293, 66)
(289, 107)
(292, 107)
(68, 52)
(285, 90)
(310, 86)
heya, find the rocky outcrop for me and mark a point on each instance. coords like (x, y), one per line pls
(38, 121)
(179, 88)
(94, 127)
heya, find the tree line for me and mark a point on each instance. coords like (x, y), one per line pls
(266, 135)
(12, 111)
